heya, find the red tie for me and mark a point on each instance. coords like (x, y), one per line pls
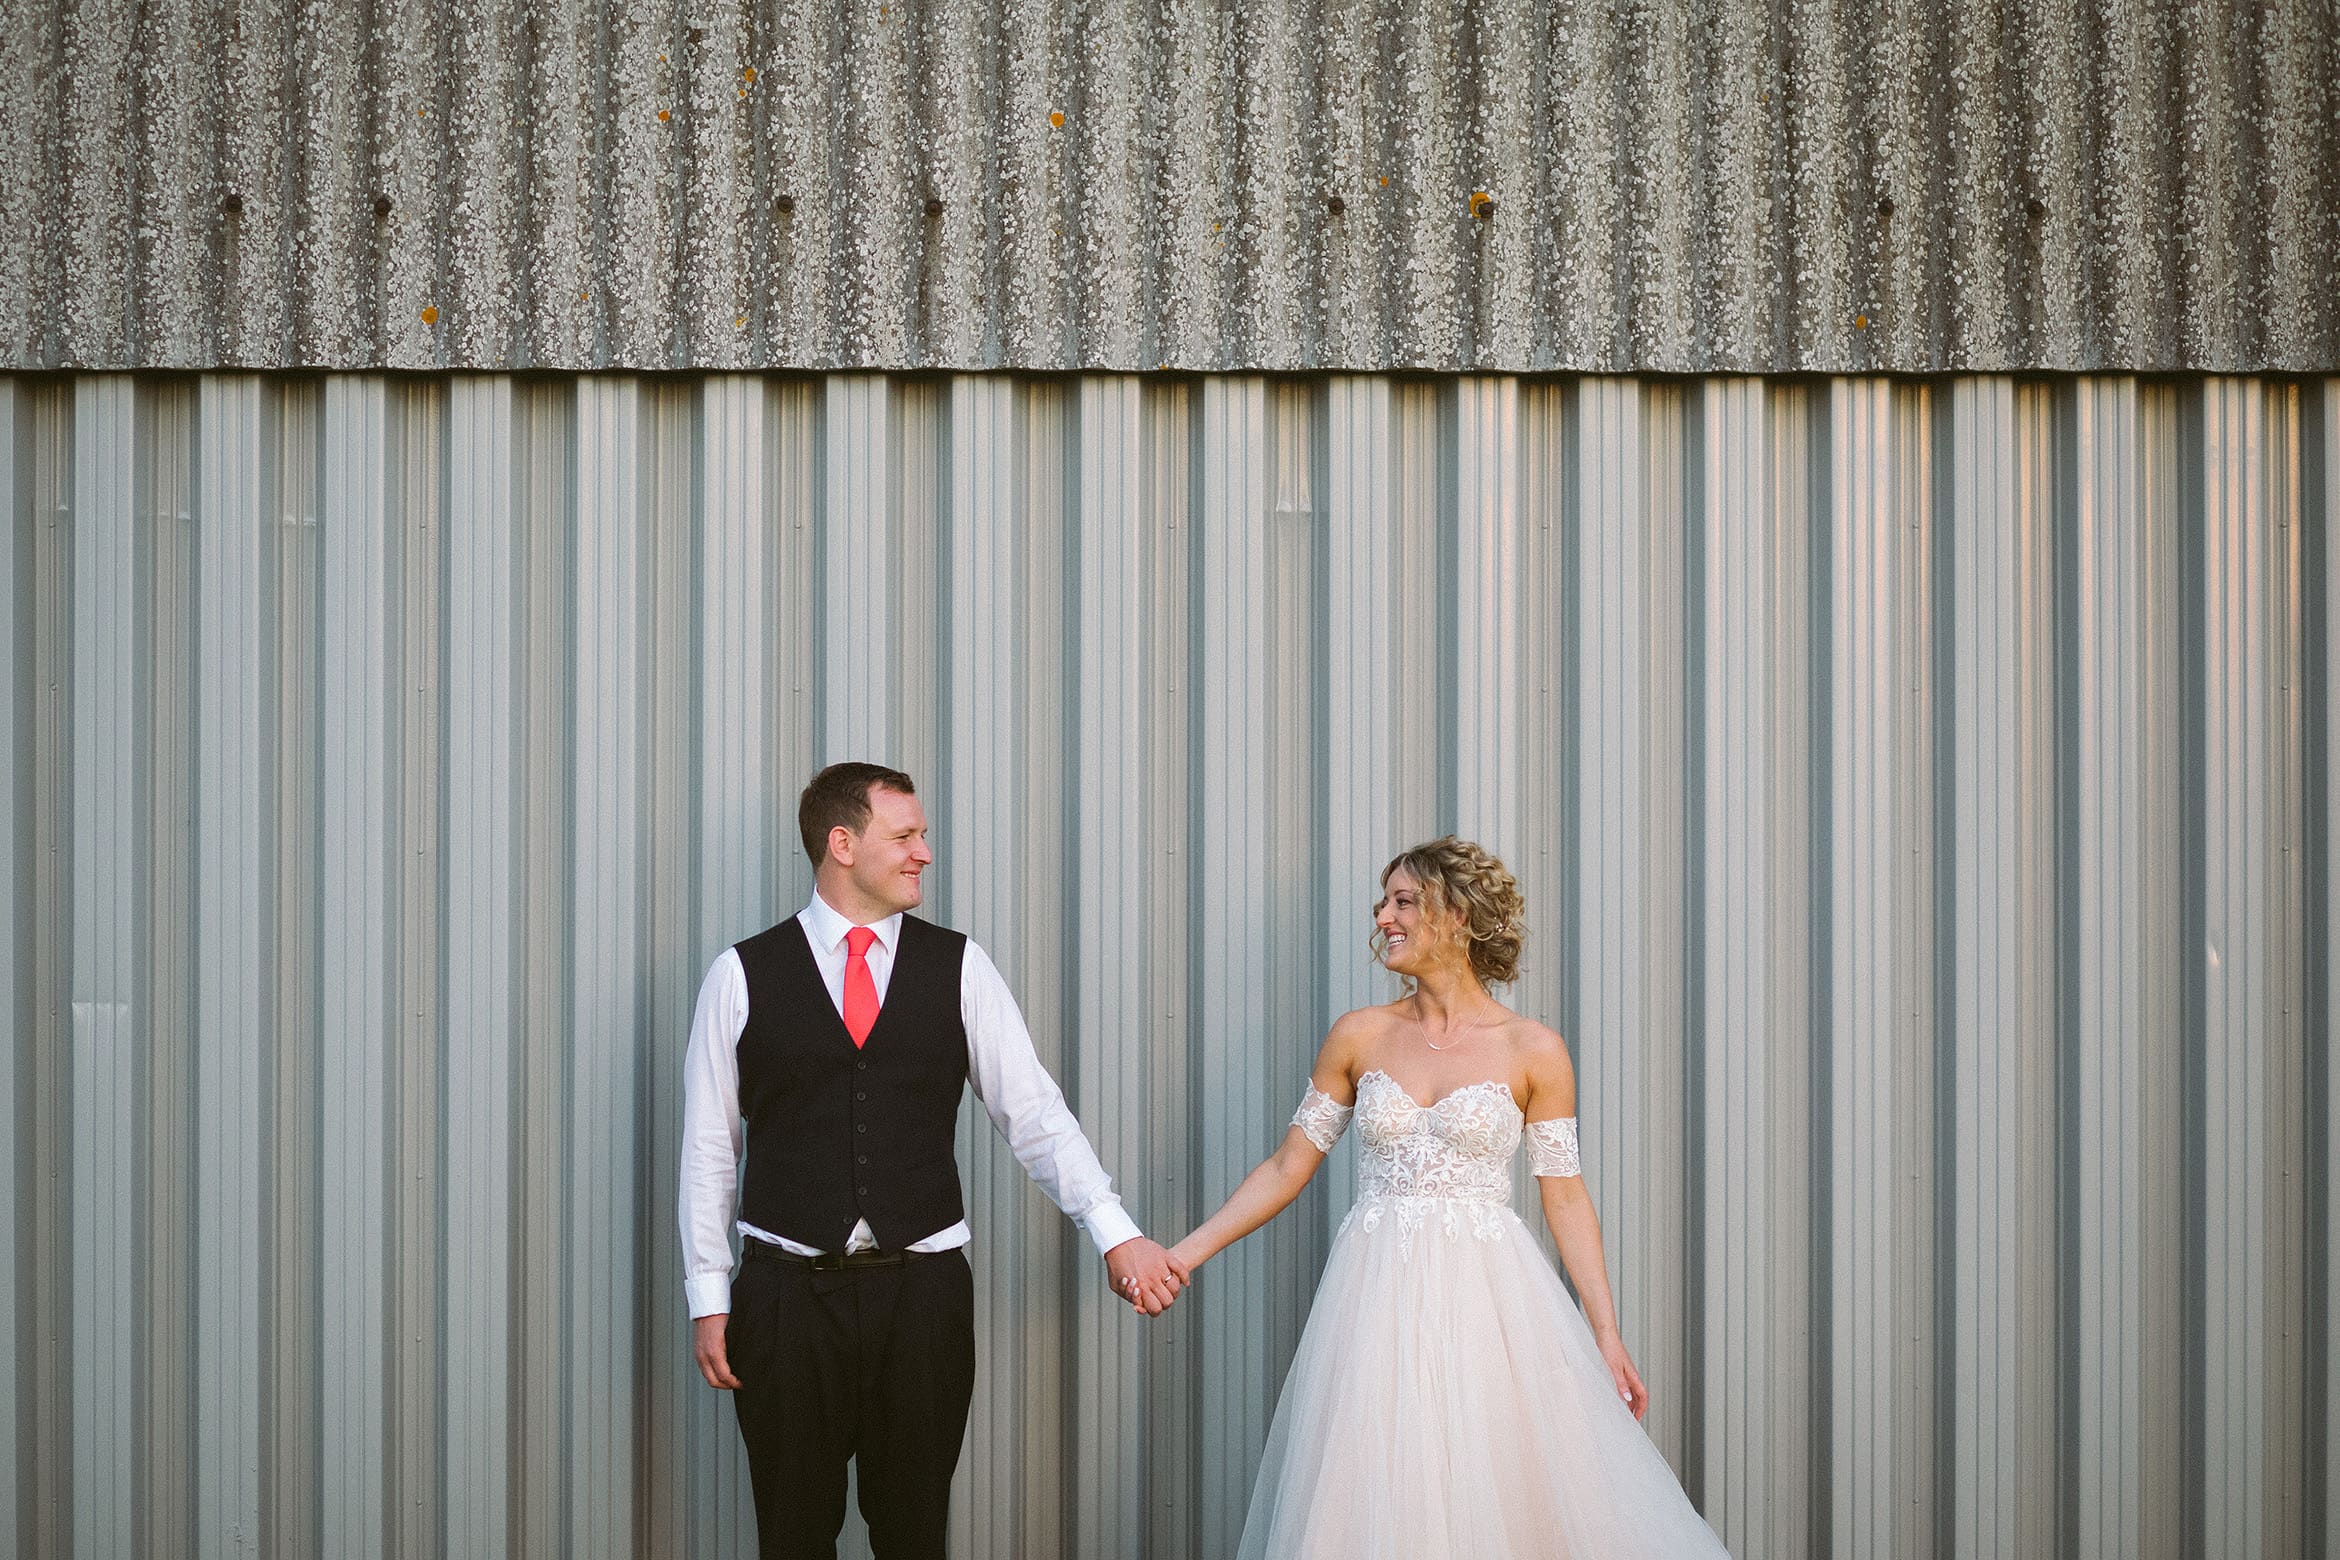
(861, 1004)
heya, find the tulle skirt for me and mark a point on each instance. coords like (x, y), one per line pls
(1447, 1400)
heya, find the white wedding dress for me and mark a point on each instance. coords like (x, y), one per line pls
(1447, 1398)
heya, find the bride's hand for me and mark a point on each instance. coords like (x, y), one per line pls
(1183, 1261)
(1629, 1387)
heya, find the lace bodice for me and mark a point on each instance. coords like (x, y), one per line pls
(1453, 1157)
(1460, 1147)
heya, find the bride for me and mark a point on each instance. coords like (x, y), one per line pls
(1447, 1397)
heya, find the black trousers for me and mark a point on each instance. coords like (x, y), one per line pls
(873, 1363)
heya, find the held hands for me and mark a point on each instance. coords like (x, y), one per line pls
(1629, 1387)
(1145, 1275)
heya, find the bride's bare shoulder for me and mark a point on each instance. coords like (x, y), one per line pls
(1354, 1034)
(1541, 1042)
(1365, 1024)
(1544, 1059)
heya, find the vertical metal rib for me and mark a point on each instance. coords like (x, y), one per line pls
(2124, 790)
(1487, 612)
(295, 1336)
(1014, 1433)
(47, 449)
(544, 973)
(1881, 961)
(357, 886)
(860, 517)
(2001, 698)
(1362, 792)
(736, 771)
(17, 781)
(2233, 1320)
(417, 468)
(611, 1023)
(482, 1005)
(2327, 678)
(1752, 762)
(235, 1023)
(167, 476)
(2252, 982)
(107, 1005)
(1625, 691)
(1107, 938)
(1160, 1044)
(734, 606)
(1235, 935)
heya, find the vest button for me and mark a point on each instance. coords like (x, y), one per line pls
(865, 1191)
(857, 1094)
(862, 1127)
(861, 1159)
(861, 1067)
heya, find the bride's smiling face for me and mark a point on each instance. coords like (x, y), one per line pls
(1412, 938)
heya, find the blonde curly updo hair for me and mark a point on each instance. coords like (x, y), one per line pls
(1468, 881)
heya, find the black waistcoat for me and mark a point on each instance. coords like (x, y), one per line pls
(836, 1134)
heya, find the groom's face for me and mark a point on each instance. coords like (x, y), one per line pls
(889, 855)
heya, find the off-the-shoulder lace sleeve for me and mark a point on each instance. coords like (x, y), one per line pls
(1322, 1118)
(1552, 1147)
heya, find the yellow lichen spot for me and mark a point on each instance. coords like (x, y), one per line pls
(1860, 322)
(662, 59)
(738, 321)
(584, 296)
(748, 75)
(662, 116)
(1480, 202)
(1056, 118)
(430, 315)
(421, 113)
(1385, 181)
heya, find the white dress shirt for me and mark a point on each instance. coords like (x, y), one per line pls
(1025, 1105)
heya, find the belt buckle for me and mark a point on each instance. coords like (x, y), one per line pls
(828, 1262)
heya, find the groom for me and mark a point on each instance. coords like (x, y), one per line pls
(833, 1048)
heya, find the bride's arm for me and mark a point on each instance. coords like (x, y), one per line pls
(1272, 1184)
(1568, 1210)
(1576, 1229)
(1264, 1193)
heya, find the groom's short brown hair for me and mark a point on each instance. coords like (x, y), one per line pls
(839, 795)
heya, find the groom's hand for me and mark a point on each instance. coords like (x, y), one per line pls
(1141, 1274)
(710, 1341)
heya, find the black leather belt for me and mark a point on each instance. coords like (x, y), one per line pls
(833, 1261)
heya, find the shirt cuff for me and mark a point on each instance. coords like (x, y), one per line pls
(710, 1294)
(1109, 1224)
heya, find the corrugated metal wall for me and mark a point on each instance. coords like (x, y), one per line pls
(1731, 186)
(1922, 789)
